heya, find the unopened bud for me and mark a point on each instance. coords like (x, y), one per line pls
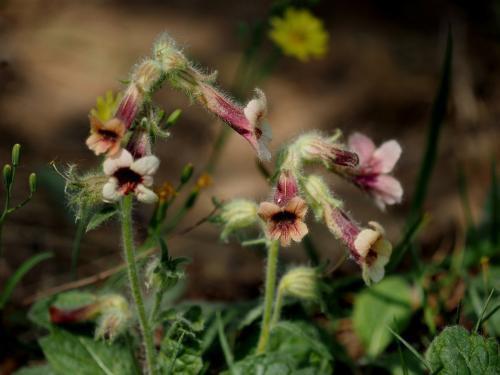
(147, 74)
(114, 318)
(16, 152)
(173, 118)
(32, 183)
(237, 214)
(318, 195)
(7, 175)
(300, 282)
(187, 172)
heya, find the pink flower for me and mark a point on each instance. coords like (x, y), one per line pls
(285, 223)
(367, 246)
(375, 164)
(127, 175)
(248, 121)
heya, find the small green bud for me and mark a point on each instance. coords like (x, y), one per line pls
(318, 195)
(7, 175)
(191, 200)
(300, 282)
(16, 152)
(173, 118)
(32, 183)
(187, 172)
(237, 214)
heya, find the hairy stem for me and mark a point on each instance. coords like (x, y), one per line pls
(128, 246)
(277, 307)
(272, 265)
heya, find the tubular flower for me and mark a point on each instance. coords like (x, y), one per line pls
(139, 144)
(127, 175)
(313, 147)
(299, 34)
(367, 247)
(144, 78)
(375, 164)
(286, 188)
(105, 137)
(247, 121)
(285, 223)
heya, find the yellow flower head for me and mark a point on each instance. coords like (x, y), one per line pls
(300, 34)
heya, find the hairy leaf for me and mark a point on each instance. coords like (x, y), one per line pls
(73, 354)
(456, 351)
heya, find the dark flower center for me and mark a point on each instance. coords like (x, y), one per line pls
(284, 217)
(127, 179)
(108, 134)
(371, 257)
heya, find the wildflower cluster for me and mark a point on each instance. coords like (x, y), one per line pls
(357, 161)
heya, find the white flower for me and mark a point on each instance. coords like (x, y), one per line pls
(256, 112)
(374, 251)
(130, 176)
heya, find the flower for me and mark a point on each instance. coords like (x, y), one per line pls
(375, 164)
(285, 223)
(130, 176)
(139, 144)
(247, 121)
(367, 246)
(105, 137)
(286, 188)
(299, 34)
(313, 147)
(375, 252)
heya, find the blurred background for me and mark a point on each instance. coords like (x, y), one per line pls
(379, 76)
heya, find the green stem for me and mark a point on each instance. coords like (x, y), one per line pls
(128, 245)
(156, 307)
(277, 307)
(272, 265)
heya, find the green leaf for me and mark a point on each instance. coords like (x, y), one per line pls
(294, 348)
(178, 358)
(456, 351)
(35, 370)
(385, 304)
(101, 217)
(19, 274)
(72, 354)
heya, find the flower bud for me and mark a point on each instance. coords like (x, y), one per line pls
(187, 172)
(300, 282)
(32, 183)
(237, 214)
(114, 318)
(173, 118)
(318, 194)
(16, 152)
(7, 175)
(147, 75)
(286, 188)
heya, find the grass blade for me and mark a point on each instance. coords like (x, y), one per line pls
(411, 349)
(224, 344)
(434, 130)
(19, 274)
(481, 315)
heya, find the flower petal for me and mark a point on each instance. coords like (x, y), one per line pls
(363, 146)
(267, 210)
(298, 206)
(256, 109)
(298, 231)
(365, 240)
(145, 195)
(147, 165)
(386, 156)
(388, 189)
(110, 191)
(121, 160)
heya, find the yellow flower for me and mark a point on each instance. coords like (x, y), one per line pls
(300, 34)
